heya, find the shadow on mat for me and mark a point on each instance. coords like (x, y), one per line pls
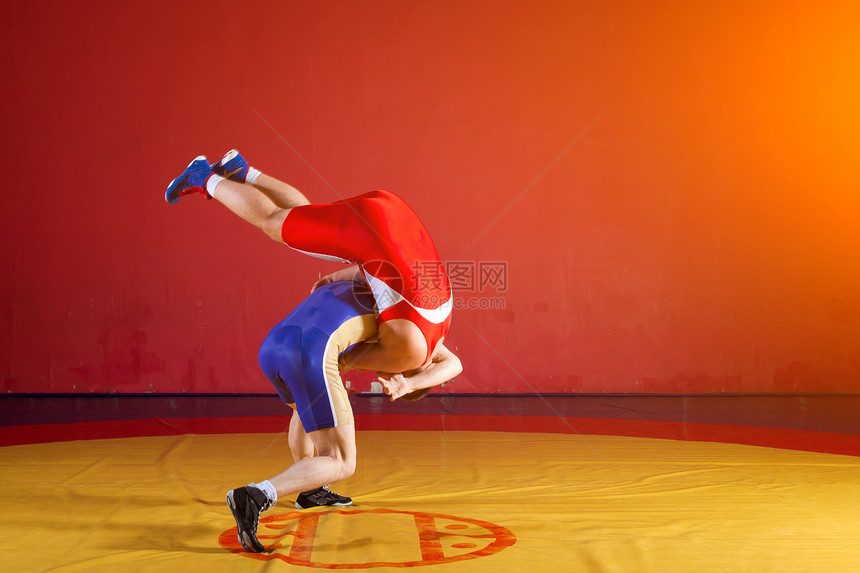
(165, 538)
(109, 527)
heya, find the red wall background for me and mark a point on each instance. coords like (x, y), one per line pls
(672, 186)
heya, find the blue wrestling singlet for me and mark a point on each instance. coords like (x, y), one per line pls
(299, 355)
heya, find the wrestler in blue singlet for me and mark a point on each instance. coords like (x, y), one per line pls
(299, 355)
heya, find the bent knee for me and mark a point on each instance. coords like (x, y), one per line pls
(348, 469)
(274, 224)
(345, 467)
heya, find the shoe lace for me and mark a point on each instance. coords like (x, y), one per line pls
(260, 509)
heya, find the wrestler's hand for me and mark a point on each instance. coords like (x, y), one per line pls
(352, 273)
(329, 278)
(395, 385)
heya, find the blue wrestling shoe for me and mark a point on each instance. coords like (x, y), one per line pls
(232, 166)
(192, 180)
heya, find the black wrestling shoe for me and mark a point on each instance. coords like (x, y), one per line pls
(247, 503)
(320, 497)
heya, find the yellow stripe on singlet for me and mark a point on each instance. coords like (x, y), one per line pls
(353, 331)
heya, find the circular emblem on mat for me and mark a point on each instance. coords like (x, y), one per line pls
(367, 538)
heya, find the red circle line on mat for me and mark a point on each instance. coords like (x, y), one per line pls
(302, 527)
(804, 440)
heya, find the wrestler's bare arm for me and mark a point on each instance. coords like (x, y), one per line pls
(352, 273)
(442, 367)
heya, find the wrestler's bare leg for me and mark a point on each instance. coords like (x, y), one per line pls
(335, 461)
(254, 206)
(281, 194)
(301, 445)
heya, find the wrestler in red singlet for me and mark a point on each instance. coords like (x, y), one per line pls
(381, 233)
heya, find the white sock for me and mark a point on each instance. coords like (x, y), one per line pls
(269, 490)
(212, 183)
(252, 175)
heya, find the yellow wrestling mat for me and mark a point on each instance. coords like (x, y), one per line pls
(435, 501)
